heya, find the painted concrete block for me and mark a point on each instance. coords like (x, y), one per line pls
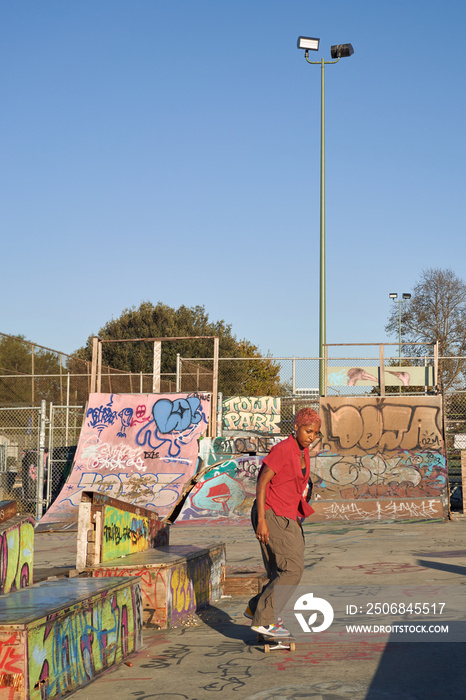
(16, 553)
(176, 581)
(57, 636)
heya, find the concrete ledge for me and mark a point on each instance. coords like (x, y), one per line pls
(57, 636)
(176, 581)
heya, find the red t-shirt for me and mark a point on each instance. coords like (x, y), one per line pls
(284, 492)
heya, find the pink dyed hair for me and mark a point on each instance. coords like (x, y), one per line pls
(305, 416)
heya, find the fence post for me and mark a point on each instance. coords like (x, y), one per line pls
(48, 495)
(219, 414)
(32, 375)
(67, 415)
(95, 341)
(215, 389)
(156, 366)
(178, 373)
(40, 465)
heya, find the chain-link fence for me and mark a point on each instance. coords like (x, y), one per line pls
(30, 374)
(36, 453)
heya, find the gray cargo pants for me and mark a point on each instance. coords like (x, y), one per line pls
(283, 558)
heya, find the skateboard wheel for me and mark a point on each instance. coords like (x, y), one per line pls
(292, 646)
(266, 648)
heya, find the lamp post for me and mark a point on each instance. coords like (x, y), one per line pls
(404, 297)
(338, 51)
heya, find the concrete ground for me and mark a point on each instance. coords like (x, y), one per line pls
(216, 655)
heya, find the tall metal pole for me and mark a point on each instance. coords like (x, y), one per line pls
(399, 331)
(322, 314)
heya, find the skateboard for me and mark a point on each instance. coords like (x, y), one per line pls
(272, 643)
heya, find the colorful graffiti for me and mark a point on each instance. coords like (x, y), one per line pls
(141, 449)
(16, 553)
(153, 590)
(403, 475)
(11, 667)
(68, 649)
(257, 414)
(123, 533)
(172, 591)
(194, 584)
(381, 459)
(225, 488)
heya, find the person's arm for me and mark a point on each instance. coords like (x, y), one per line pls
(262, 531)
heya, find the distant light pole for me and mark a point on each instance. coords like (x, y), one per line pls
(338, 51)
(404, 297)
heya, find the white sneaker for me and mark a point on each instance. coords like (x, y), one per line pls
(271, 630)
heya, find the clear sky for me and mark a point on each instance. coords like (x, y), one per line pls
(168, 150)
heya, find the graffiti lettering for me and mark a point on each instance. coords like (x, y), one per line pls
(144, 490)
(260, 414)
(100, 455)
(101, 416)
(65, 652)
(137, 460)
(385, 426)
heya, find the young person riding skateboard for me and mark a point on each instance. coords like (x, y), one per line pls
(276, 516)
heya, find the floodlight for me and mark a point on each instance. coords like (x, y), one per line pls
(393, 295)
(307, 42)
(406, 295)
(341, 50)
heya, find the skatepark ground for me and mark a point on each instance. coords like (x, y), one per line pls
(215, 655)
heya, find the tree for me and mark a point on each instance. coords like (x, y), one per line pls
(28, 372)
(436, 312)
(257, 377)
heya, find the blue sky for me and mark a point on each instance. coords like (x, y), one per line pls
(168, 150)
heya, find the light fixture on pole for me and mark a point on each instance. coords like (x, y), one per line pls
(337, 51)
(404, 297)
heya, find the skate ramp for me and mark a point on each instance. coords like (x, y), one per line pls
(139, 448)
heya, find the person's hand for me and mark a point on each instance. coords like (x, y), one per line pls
(262, 532)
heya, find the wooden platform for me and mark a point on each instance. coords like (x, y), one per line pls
(57, 636)
(176, 581)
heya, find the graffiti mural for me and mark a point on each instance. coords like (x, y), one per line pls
(123, 533)
(141, 449)
(16, 553)
(57, 636)
(226, 487)
(388, 450)
(258, 414)
(68, 651)
(373, 424)
(172, 591)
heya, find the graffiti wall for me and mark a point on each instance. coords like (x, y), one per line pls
(225, 489)
(50, 654)
(140, 448)
(260, 414)
(389, 450)
(16, 553)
